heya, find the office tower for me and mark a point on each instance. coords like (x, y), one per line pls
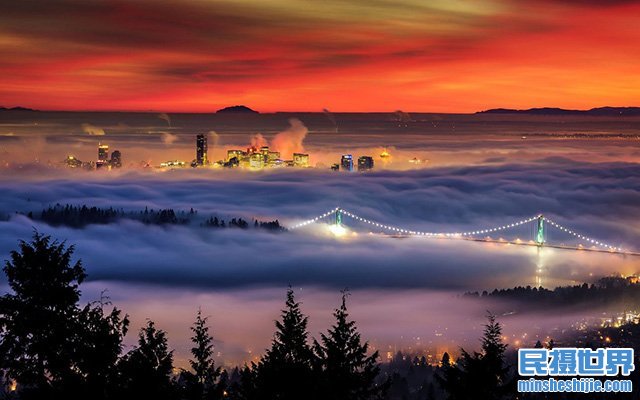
(201, 150)
(103, 156)
(365, 163)
(300, 160)
(256, 161)
(116, 159)
(73, 162)
(346, 163)
(273, 157)
(265, 153)
(238, 154)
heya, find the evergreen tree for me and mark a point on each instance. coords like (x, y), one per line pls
(98, 346)
(285, 372)
(48, 345)
(398, 387)
(145, 372)
(480, 375)
(446, 360)
(36, 320)
(348, 373)
(202, 381)
(493, 359)
(244, 386)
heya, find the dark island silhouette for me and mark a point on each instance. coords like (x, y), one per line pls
(598, 112)
(237, 110)
(16, 109)
(545, 111)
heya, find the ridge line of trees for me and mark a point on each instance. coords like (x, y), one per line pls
(81, 216)
(604, 291)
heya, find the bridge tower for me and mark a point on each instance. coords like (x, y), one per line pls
(539, 239)
(338, 217)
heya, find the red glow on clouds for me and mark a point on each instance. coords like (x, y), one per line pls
(289, 55)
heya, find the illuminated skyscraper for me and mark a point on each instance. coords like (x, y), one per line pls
(300, 160)
(273, 158)
(256, 161)
(116, 159)
(265, 153)
(72, 162)
(346, 163)
(365, 163)
(238, 154)
(103, 156)
(201, 150)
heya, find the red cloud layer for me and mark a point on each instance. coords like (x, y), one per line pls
(194, 56)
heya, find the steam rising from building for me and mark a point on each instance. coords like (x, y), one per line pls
(258, 141)
(214, 138)
(291, 139)
(168, 138)
(92, 130)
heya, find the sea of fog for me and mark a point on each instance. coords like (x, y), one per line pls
(475, 172)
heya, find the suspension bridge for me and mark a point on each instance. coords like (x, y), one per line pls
(539, 223)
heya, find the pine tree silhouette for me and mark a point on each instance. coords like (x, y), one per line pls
(285, 372)
(202, 382)
(348, 373)
(483, 375)
(145, 372)
(49, 346)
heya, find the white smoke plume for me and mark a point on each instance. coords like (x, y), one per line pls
(165, 117)
(168, 138)
(291, 139)
(93, 130)
(258, 141)
(214, 138)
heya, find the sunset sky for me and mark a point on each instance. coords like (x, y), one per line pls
(303, 55)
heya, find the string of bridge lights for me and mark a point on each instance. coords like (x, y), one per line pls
(438, 234)
(408, 231)
(316, 219)
(579, 236)
(454, 234)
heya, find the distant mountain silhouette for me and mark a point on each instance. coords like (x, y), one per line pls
(600, 111)
(16, 109)
(237, 110)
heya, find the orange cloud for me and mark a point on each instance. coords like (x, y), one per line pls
(292, 55)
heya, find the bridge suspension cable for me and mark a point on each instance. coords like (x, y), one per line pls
(445, 234)
(316, 219)
(467, 234)
(579, 236)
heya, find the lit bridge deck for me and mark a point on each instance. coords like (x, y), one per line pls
(541, 222)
